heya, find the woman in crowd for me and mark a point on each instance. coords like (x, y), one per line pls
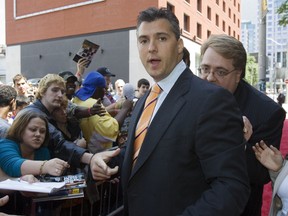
(278, 170)
(24, 150)
(69, 128)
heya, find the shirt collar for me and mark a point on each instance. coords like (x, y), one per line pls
(167, 83)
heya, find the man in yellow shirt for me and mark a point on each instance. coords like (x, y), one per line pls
(99, 131)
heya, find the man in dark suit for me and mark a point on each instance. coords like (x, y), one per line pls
(223, 62)
(192, 159)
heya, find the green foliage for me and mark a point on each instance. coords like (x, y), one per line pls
(252, 74)
(283, 11)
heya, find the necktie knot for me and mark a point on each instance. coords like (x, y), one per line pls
(156, 88)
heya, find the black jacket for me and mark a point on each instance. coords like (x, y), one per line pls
(58, 146)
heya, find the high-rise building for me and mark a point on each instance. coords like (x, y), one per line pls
(43, 38)
(248, 36)
(276, 39)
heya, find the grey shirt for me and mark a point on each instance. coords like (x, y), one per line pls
(4, 126)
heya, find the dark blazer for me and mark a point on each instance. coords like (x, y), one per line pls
(192, 161)
(267, 119)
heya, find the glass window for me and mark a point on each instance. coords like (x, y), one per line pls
(199, 30)
(199, 5)
(170, 7)
(217, 20)
(209, 13)
(186, 23)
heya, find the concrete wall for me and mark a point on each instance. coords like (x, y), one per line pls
(53, 56)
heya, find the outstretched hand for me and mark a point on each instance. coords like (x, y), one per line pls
(271, 157)
(98, 165)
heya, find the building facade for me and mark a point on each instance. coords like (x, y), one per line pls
(43, 36)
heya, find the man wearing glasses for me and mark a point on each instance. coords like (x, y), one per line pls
(223, 62)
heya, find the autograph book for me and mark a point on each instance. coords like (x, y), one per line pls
(38, 187)
(87, 50)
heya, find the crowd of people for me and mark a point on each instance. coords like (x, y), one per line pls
(186, 146)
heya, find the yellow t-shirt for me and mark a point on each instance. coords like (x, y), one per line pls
(99, 132)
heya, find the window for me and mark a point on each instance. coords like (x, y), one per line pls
(217, 2)
(186, 23)
(188, 1)
(223, 26)
(229, 30)
(284, 62)
(209, 13)
(208, 33)
(217, 20)
(234, 18)
(224, 6)
(278, 56)
(199, 30)
(234, 34)
(229, 13)
(170, 7)
(199, 5)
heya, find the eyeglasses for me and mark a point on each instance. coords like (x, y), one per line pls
(219, 72)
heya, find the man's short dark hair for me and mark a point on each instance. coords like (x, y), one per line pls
(151, 14)
(7, 94)
(142, 82)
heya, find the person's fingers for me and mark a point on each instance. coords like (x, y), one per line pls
(263, 145)
(4, 200)
(112, 171)
(258, 148)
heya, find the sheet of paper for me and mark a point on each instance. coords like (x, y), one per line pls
(39, 187)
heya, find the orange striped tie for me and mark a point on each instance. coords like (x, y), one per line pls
(144, 120)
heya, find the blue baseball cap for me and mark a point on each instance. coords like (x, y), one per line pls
(91, 82)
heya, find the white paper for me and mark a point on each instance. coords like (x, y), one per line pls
(39, 187)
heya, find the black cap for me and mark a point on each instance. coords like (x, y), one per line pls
(67, 74)
(105, 71)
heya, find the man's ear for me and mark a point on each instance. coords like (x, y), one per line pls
(238, 74)
(180, 46)
(12, 101)
(12, 104)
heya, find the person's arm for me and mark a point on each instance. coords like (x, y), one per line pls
(83, 112)
(220, 147)
(81, 65)
(53, 167)
(122, 113)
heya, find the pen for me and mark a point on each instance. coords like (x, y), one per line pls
(69, 162)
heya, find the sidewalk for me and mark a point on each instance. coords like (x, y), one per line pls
(285, 106)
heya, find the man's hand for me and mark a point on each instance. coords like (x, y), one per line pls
(271, 157)
(248, 129)
(98, 109)
(99, 169)
(81, 65)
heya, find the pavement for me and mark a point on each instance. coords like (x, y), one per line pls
(285, 106)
